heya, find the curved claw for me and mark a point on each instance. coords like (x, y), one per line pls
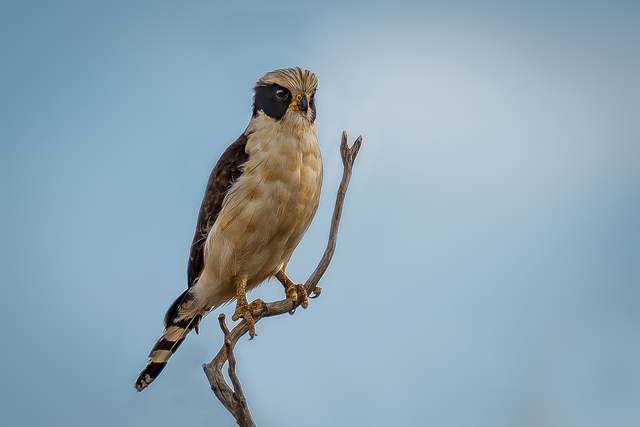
(316, 292)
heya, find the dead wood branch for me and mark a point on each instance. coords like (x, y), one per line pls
(233, 398)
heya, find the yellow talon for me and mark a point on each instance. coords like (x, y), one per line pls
(294, 292)
(243, 309)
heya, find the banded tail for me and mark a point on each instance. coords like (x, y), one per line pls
(180, 319)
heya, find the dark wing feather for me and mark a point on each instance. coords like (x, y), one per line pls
(226, 172)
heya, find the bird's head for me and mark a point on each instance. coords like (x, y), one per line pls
(287, 94)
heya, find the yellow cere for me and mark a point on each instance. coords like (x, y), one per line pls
(294, 103)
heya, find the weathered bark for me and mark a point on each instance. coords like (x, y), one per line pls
(233, 398)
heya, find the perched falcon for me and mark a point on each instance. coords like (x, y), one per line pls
(260, 200)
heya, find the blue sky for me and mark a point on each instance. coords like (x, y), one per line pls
(488, 264)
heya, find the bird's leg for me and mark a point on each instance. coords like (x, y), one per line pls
(243, 309)
(292, 289)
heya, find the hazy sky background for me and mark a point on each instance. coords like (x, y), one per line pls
(488, 265)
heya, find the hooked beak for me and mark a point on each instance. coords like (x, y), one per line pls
(300, 102)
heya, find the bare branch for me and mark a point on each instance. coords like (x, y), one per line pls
(233, 399)
(348, 157)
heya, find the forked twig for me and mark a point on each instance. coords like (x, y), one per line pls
(233, 398)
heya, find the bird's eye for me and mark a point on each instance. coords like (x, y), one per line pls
(281, 94)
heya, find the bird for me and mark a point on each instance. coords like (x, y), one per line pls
(260, 200)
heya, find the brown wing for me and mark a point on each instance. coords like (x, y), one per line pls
(226, 172)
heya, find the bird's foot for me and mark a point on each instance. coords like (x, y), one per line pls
(247, 312)
(297, 291)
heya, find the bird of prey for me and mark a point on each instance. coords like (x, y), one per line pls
(260, 200)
